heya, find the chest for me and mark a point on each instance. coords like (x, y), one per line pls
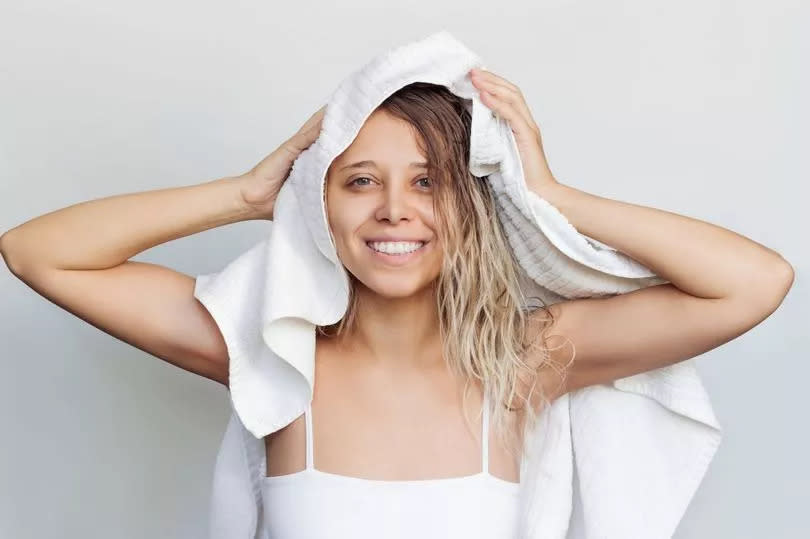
(377, 424)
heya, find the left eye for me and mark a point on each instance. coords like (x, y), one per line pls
(424, 179)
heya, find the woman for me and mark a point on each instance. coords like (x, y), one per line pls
(436, 313)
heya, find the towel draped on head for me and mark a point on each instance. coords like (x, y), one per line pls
(639, 446)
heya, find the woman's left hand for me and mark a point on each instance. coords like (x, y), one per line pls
(506, 99)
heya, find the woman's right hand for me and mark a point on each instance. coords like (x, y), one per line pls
(262, 183)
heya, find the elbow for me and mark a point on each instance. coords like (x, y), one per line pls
(783, 275)
(784, 282)
(770, 287)
(10, 253)
(4, 249)
(786, 279)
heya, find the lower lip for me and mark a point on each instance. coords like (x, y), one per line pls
(397, 260)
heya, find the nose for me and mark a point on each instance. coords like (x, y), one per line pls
(395, 205)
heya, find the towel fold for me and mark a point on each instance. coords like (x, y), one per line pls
(639, 447)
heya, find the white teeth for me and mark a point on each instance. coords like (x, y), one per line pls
(395, 247)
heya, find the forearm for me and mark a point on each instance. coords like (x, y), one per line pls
(106, 232)
(699, 258)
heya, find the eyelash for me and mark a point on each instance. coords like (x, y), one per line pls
(365, 178)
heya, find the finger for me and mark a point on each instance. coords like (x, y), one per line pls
(504, 110)
(314, 120)
(505, 103)
(309, 131)
(505, 91)
(515, 98)
(489, 76)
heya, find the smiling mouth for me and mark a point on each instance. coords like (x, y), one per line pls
(398, 251)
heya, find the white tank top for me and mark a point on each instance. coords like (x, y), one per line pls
(311, 504)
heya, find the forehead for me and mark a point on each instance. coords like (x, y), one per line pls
(385, 139)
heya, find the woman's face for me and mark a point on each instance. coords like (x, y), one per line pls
(378, 190)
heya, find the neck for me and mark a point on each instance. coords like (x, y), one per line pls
(396, 333)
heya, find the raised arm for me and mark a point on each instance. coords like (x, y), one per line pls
(78, 258)
(721, 283)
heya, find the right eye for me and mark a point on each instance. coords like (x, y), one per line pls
(357, 179)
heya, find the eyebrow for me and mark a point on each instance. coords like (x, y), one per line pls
(370, 163)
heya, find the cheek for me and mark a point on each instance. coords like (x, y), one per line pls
(428, 217)
(343, 226)
(343, 218)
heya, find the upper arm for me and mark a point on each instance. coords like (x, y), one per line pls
(619, 336)
(146, 305)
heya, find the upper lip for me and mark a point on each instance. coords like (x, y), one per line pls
(383, 238)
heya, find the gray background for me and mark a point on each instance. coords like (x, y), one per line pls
(694, 107)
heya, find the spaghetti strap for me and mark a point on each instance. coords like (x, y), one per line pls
(309, 441)
(485, 434)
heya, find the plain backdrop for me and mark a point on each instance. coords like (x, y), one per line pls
(695, 107)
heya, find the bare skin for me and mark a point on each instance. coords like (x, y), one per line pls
(78, 257)
(409, 425)
(722, 285)
(404, 403)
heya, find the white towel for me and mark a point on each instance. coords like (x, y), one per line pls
(639, 446)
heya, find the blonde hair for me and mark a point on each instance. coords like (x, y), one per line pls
(486, 325)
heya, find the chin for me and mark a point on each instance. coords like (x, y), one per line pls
(396, 287)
